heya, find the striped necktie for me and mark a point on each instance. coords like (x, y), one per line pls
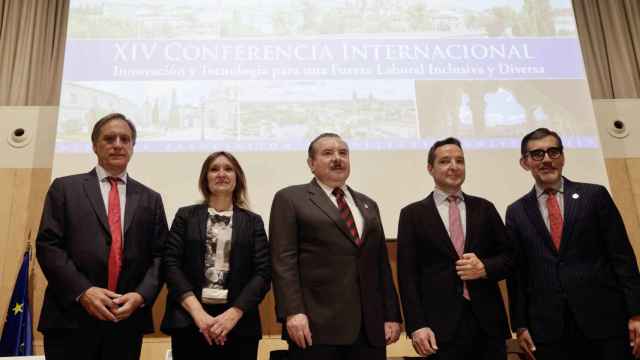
(345, 214)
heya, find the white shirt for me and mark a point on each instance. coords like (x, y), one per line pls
(542, 202)
(105, 188)
(357, 216)
(442, 204)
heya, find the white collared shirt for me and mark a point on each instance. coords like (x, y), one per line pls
(542, 202)
(357, 215)
(105, 188)
(442, 204)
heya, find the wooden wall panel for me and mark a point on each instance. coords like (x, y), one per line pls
(624, 180)
(9, 260)
(24, 190)
(158, 313)
(41, 179)
(270, 325)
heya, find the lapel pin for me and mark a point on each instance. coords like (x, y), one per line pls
(366, 206)
(575, 196)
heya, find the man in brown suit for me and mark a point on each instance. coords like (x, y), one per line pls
(331, 273)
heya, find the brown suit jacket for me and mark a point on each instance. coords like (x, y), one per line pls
(319, 271)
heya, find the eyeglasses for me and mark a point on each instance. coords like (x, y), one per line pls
(538, 154)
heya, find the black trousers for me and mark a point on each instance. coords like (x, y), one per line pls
(575, 345)
(188, 344)
(359, 350)
(105, 341)
(470, 341)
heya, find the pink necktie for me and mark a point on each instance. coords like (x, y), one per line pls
(115, 253)
(555, 218)
(456, 234)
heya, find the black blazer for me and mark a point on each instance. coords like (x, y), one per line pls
(318, 270)
(249, 268)
(73, 250)
(595, 271)
(430, 288)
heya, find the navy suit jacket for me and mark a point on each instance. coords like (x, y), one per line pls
(249, 268)
(594, 272)
(73, 250)
(430, 289)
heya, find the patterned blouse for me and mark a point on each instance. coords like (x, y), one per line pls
(216, 259)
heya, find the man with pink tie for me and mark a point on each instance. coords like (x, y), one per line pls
(452, 251)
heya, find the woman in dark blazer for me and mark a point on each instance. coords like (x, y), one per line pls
(217, 268)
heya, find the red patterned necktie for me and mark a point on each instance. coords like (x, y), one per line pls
(555, 218)
(115, 253)
(457, 234)
(345, 214)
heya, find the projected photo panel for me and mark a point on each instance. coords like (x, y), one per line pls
(249, 76)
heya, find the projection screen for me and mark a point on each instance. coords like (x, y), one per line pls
(262, 78)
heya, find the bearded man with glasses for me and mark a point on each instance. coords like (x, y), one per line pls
(575, 293)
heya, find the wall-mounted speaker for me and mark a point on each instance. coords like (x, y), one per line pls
(618, 129)
(19, 137)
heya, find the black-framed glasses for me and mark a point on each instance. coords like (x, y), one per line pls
(538, 154)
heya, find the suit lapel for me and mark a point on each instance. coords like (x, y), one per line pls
(202, 215)
(440, 231)
(318, 197)
(93, 193)
(238, 224)
(133, 198)
(533, 212)
(570, 208)
(470, 211)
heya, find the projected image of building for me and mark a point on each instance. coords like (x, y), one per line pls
(502, 108)
(196, 19)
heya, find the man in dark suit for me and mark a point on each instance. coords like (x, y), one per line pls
(576, 291)
(452, 251)
(100, 245)
(331, 274)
